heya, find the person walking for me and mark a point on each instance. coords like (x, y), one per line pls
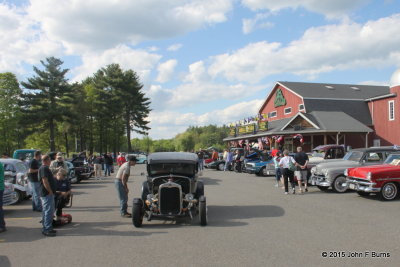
(228, 161)
(288, 165)
(107, 164)
(58, 163)
(301, 159)
(200, 155)
(121, 159)
(121, 184)
(97, 167)
(2, 222)
(33, 179)
(48, 188)
(278, 172)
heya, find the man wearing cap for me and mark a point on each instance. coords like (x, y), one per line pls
(121, 184)
(58, 163)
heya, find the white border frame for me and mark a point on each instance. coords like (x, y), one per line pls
(391, 102)
(276, 114)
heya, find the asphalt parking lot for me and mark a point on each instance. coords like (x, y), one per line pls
(251, 223)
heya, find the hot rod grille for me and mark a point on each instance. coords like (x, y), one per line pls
(170, 200)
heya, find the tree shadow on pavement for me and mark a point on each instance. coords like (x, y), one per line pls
(86, 186)
(4, 261)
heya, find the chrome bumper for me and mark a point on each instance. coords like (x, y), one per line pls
(10, 198)
(364, 186)
(320, 180)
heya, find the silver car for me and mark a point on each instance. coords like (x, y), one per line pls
(9, 196)
(15, 172)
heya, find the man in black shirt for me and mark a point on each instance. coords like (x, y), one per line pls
(301, 159)
(34, 181)
(48, 186)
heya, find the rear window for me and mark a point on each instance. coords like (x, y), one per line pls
(172, 168)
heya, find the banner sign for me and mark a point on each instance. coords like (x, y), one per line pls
(263, 126)
(232, 131)
(247, 129)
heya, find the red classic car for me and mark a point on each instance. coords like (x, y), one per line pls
(383, 180)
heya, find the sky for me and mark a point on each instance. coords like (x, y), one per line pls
(206, 62)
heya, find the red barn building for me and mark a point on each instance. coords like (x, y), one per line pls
(352, 115)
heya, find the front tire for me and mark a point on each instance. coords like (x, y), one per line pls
(203, 211)
(20, 195)
(221, 166)
(337, 184)
(389, 191)
(137, 212)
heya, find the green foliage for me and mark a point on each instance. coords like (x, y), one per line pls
(9, 112)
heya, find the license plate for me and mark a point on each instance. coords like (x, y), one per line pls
(352, 186)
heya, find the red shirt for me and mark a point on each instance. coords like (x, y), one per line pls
(121, 160)
(273, 152)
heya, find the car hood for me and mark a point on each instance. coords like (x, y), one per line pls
(336, 164)
(384, 170)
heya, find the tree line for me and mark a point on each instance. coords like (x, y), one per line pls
(49, 113)
(193, 139)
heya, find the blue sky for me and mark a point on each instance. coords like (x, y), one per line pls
(206, 61)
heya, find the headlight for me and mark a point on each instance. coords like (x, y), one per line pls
(346, 172)
(326, 172)
(20, 181)
(313, 169)
(369, 176)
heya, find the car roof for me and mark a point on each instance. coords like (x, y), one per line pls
(325, 147)
(379, 148)
(10, 161)
(161, 157)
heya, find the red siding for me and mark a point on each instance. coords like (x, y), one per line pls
(386, 130)
(292, 100)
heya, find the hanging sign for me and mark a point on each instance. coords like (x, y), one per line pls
(247, 129)
(263, 126)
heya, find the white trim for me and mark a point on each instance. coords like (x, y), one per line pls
(381, 97)
(320, 98)
(304, 117)
(391, 103)
(284, 111)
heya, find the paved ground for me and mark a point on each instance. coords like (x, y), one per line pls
(251, 223)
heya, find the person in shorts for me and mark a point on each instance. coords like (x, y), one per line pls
(301, 159)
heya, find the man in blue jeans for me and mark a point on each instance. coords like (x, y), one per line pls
(48, 186)
(121, 184)
(34, 181)
(2, 222)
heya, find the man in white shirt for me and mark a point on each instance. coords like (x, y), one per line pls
(121, 184)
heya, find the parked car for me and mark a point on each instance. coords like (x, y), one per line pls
(259, 168)
(9, 195)
(15, 172)
(218, 165)
(24, 154)
(325, 152)
(141, 158)
(171, 189)
(383, 180)
(331, 173)
(71, 173)
(83, 170)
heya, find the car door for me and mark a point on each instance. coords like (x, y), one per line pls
(373, 158)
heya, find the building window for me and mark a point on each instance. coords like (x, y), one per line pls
(391, 110)
(272, 114)
(288, 110)
(301, 107)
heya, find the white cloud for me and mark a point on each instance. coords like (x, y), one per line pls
(320, 49)
(329, 8)
(174, 47)
(166, 70)
(22, 41)
(258, 22)
(170, 123)
(102, 24)
(142, 62)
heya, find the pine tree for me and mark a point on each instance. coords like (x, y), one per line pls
(46, 98)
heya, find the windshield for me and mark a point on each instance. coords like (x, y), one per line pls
(318, 153)
(21, 167)
(172, 168)
(393, 159)
(353, 155)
